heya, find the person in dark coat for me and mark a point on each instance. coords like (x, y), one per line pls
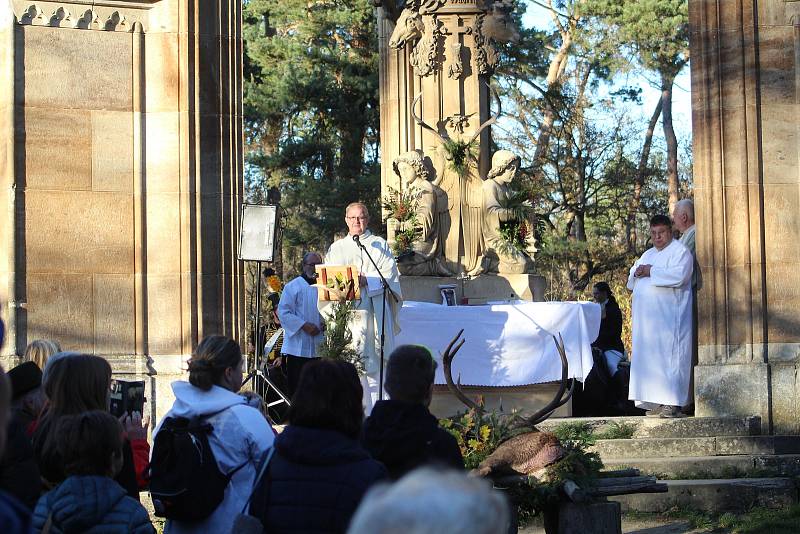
(19, 474)
(89, 500)
(15, 518)
(319, 472)
(607, 384)
(401, 432)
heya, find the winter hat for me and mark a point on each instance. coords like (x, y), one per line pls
(24, 378)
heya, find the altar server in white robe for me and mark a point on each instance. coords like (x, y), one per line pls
(346, 251)
(300, 319)
(661, 281)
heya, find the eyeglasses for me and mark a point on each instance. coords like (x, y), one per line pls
(356, 218)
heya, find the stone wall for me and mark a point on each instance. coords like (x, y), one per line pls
(121, 178)
(746, 120)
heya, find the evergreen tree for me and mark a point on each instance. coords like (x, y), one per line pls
(311, 112)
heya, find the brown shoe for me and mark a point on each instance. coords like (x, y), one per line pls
(672, 412)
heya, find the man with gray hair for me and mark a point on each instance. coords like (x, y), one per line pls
(427, 501)
(683, 215)
(357, 248)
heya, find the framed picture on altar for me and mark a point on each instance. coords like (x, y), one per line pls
(337, 281)
(448, 293)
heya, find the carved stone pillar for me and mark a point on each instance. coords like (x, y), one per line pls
(443, 55)
(746, 118)
(121, 174)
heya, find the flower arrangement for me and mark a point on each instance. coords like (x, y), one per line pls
(402, 206)
(517, 233)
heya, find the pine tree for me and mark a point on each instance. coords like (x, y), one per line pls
(311, 111)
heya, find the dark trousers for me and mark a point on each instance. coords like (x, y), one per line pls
(294, 364)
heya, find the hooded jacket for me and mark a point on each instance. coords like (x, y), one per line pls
(314, 483)
(241, 437)
(405, 435)
(92, 505)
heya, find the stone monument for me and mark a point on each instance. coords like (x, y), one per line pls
(121, 179)
(437, 58)
(746, 125)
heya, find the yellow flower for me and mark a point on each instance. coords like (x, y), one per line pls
(274, 283)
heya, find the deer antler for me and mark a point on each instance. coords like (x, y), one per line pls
(447, 361)
(493, 119)
(422, 123)
(559, 399)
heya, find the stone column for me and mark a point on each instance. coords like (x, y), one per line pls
(746, 114)
(121, 179)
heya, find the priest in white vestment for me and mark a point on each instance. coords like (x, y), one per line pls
(347, 252)
(661, 281)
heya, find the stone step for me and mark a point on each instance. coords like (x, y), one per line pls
(719, 495)
(697, 467)
(610, 449)
(655, 427)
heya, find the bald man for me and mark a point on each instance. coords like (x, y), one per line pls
(300, 319)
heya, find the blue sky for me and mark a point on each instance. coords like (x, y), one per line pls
(538, 17)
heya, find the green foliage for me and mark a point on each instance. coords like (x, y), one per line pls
(461, 154)
(477, 433)
(576, 433)
(338, 338)
(755, 521)
(311, 111)
(617, 430)
(658, 30)
(400, 205)
(406, 235)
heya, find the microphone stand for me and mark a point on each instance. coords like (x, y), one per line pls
(386, 288)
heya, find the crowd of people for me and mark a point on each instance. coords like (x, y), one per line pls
(68, 465)
(217, 465)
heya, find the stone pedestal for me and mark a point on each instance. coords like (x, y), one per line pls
(121, 178)
(480, 290)
(746, 126)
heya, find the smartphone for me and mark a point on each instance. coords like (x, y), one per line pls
(127, 396)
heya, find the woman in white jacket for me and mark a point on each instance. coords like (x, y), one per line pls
(241, 435)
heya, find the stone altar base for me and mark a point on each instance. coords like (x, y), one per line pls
(526, 399)
(480, 290)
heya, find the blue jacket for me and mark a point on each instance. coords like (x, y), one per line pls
(90, 504)
(15, 518)
(314, 483)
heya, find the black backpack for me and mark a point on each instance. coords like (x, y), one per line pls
(185, 481)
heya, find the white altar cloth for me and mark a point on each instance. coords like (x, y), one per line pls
(506, 344)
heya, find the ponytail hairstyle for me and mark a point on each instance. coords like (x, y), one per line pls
(210, 359)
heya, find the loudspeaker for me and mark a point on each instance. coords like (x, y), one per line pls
(259, 227)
